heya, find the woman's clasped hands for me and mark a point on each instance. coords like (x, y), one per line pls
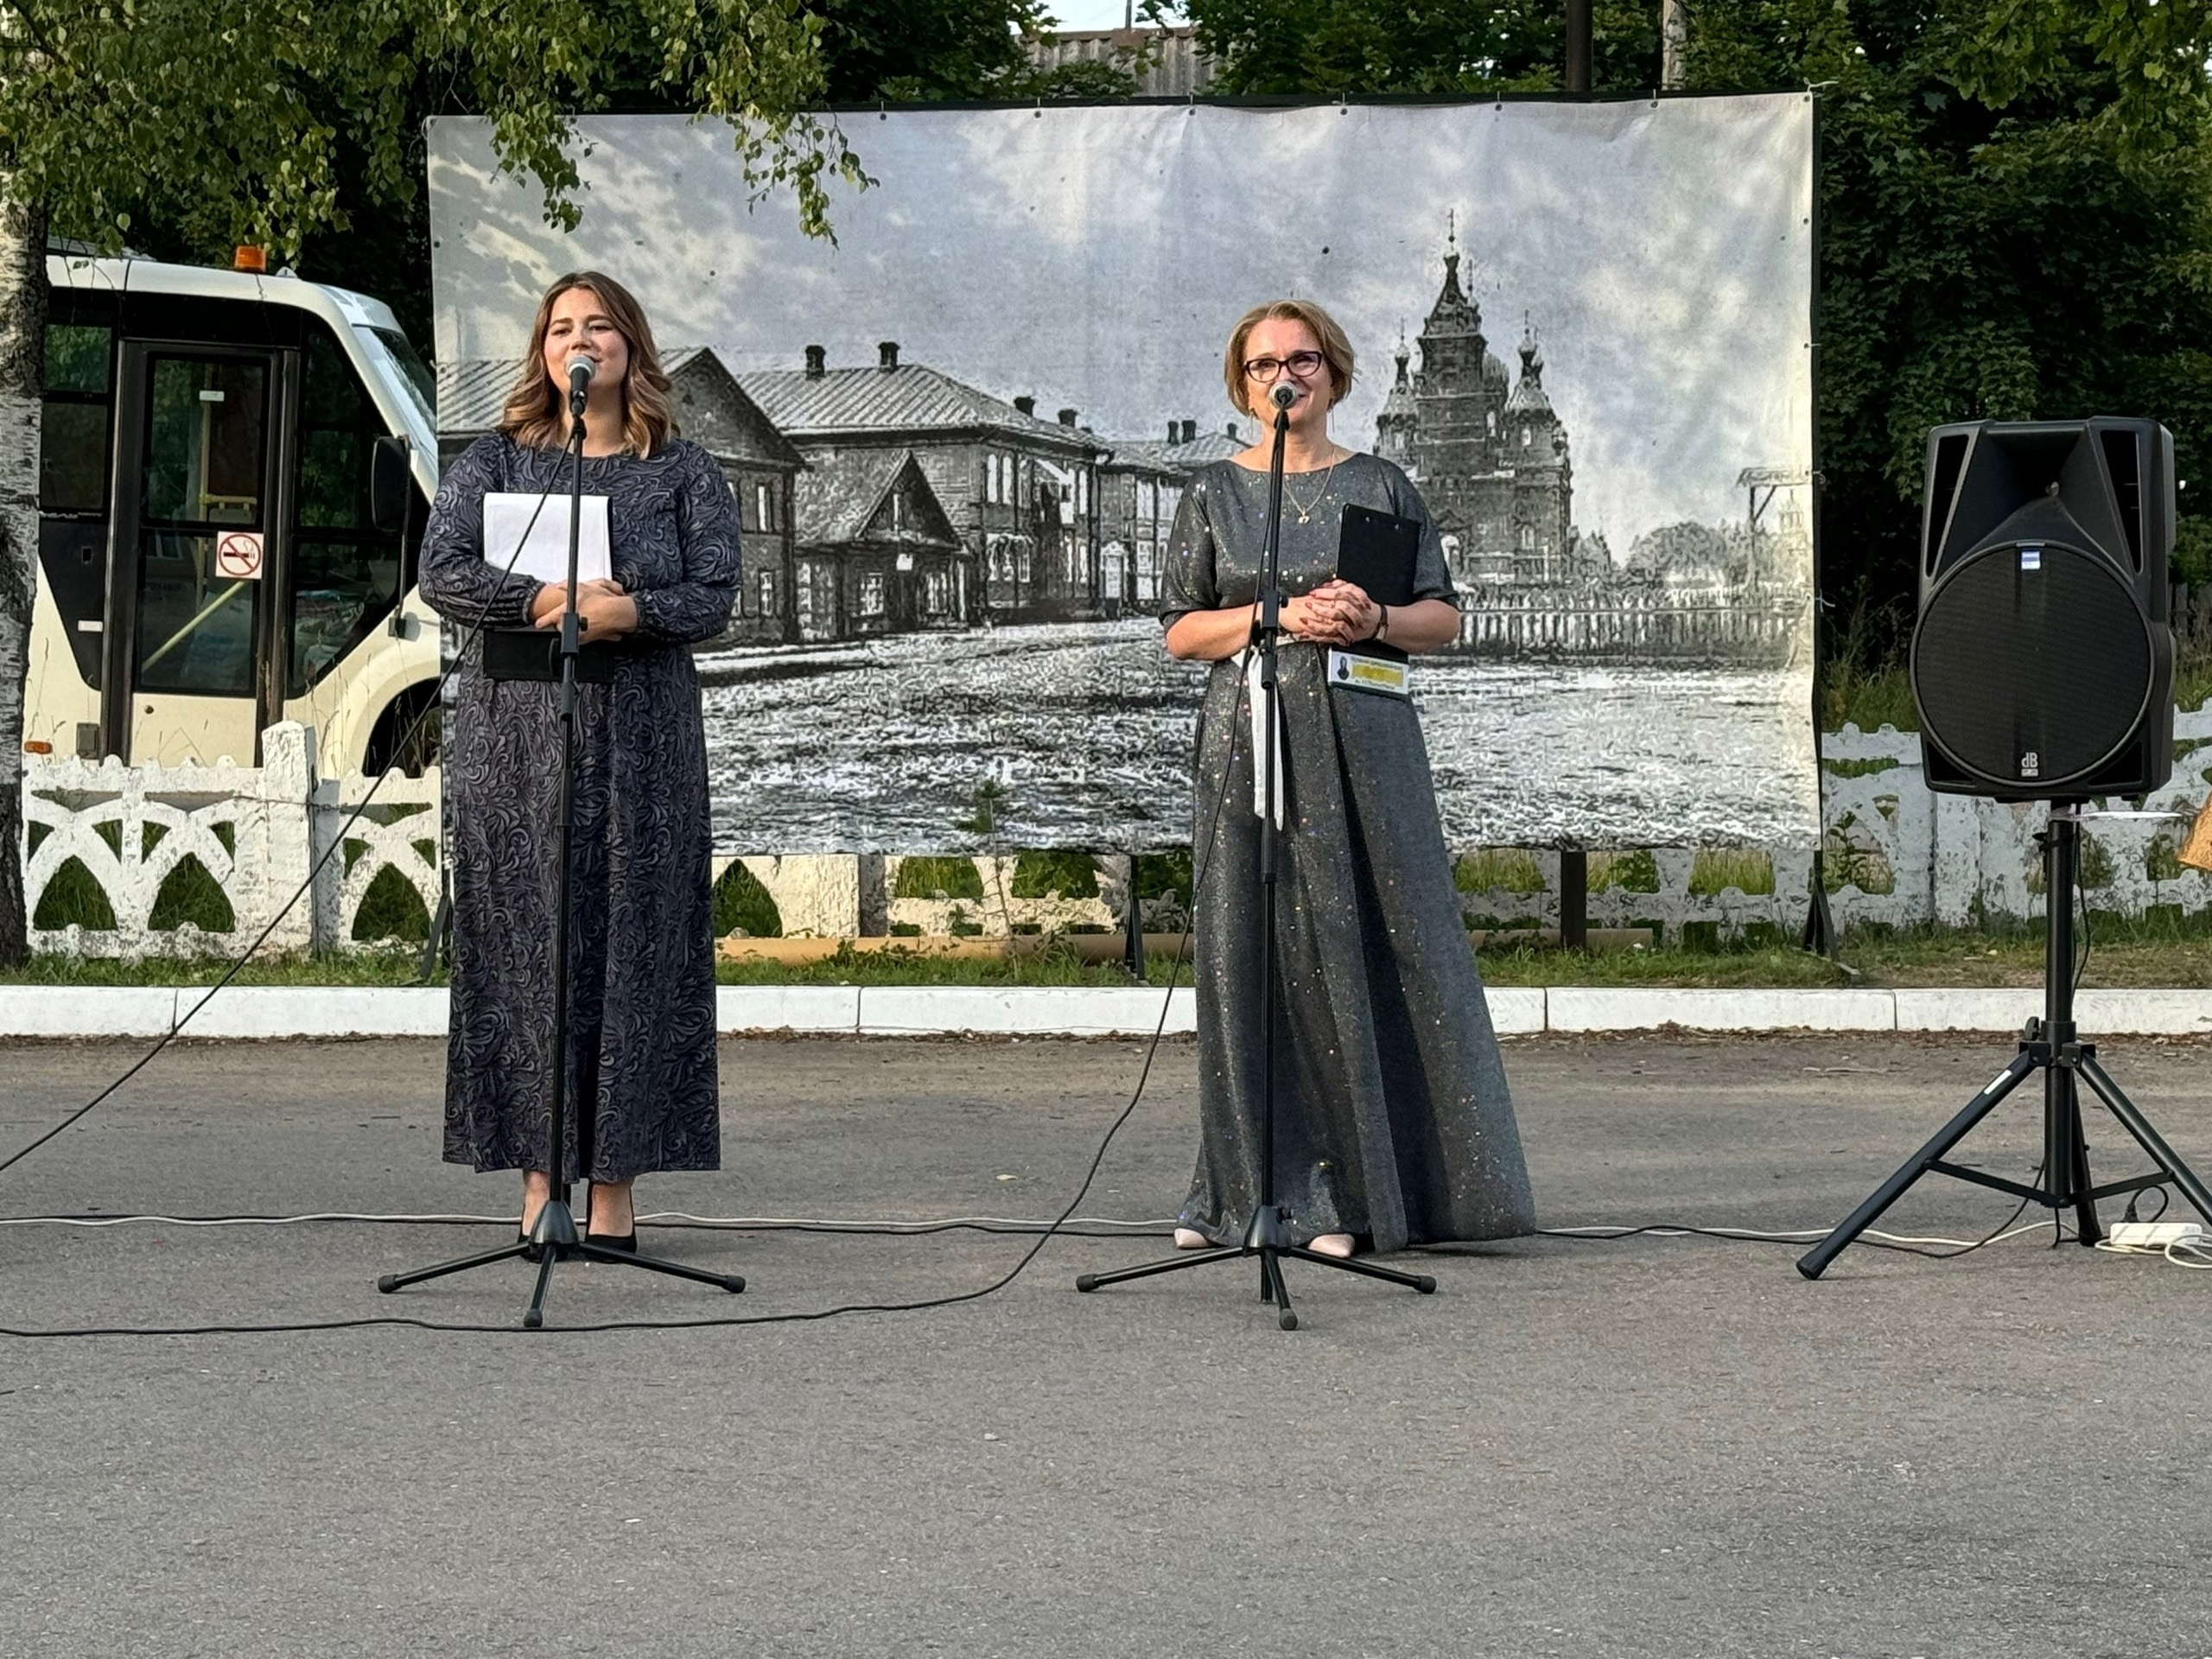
(1338, 612)
(603, 610)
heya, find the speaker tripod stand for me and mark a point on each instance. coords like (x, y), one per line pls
(2052, 1046)
(1268, 1238)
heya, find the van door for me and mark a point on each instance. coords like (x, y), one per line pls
(196, 553)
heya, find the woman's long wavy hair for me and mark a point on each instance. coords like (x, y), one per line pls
(537, 412)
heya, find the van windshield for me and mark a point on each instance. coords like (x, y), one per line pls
(414, 373)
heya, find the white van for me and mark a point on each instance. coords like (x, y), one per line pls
(233, 479)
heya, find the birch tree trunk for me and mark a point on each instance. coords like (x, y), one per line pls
(22, 374)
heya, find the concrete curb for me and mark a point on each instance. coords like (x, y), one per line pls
(266, 1012)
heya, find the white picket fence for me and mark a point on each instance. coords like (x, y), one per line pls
(1903, 855)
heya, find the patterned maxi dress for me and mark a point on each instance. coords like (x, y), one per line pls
(1393, 1120)
(641, 1057)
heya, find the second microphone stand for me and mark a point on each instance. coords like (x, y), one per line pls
(1268, 1235)
(554, 1237)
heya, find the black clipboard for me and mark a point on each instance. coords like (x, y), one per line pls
(535, 654)
(1377, 552)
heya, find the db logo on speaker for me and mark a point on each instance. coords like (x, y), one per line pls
(238, 556)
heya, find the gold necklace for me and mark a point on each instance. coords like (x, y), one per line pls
(1307, 509)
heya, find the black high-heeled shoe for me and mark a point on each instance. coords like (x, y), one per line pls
(531, 1252)
(615, 1241)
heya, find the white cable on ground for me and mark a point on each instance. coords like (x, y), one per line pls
(1791, 1236)
(2179, 1253)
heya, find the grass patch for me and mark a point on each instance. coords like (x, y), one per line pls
(1049, 966)
(1165, 875)
(2193, 677)
(1042, 874)
(74, 896)
(1765, 967)
(189, 894)
(1497, 869)
(937, 877)
(1716, 870)
(1867, 697)
(1634, 871)
(1859, 768)
(391, 909)
(2164, 949)
(743, 905)
(393, 965)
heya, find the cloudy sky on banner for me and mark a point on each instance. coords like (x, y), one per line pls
(1096, 257)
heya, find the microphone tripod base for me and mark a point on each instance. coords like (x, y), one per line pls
(554, 1239)
(1268, 1238)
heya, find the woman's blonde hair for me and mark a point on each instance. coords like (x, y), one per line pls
(1336, 349)
(536, 413)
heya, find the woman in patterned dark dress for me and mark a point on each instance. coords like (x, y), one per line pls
(641, 987)
(1394, 1125)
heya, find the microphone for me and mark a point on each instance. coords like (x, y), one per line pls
(580, 373)
(1282, 396)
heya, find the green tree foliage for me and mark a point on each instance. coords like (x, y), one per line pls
(2015, 207)
(354, 105)
(269, 121)
(912, 51)
(1346, 47)
(2016, 201)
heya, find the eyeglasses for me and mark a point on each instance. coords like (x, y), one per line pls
(1301, 365)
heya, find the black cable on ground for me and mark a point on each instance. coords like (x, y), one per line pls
(337, 842)
(1144, 1076)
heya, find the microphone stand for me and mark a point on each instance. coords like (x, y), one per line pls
(554, 1237)
(1268, 1235)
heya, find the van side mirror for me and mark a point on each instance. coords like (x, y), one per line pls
(389, 485)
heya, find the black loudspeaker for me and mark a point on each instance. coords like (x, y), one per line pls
(2043, 660)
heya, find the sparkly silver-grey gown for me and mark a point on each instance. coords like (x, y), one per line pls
(641, 1055)
(1393, 1118)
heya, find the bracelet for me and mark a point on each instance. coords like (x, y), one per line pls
(1382, 622)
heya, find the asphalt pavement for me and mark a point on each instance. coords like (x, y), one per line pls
(1661, 1446)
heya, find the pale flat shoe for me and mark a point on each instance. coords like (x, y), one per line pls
(1189, 1238)
(1336, 1244)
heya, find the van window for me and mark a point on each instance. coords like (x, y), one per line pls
(77, 423)
(206, 463)
(345, 576)
(72, 448)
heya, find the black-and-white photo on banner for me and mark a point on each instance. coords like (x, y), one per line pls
(959, 435)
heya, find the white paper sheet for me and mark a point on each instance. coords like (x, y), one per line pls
(544, 554)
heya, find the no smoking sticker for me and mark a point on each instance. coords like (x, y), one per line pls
(238, 556)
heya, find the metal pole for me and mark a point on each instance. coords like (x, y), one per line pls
(1575, 898)
(2059, 1105)
(1578, 46)
(1270, 625)
(570, 635)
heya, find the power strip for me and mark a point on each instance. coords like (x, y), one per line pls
(2153, 1234)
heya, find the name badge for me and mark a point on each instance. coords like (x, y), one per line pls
(1364, 673)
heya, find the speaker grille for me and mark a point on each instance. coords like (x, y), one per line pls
(2032, 663)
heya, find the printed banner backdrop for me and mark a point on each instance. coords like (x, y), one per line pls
(959, 434)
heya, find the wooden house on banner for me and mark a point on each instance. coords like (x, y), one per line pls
(876, 551)
(1020, 492)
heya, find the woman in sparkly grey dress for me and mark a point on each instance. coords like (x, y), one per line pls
(641, 1058)
(1392, 1124)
